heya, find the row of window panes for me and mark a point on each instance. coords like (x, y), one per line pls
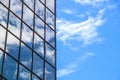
(16, 7)
(10, 70)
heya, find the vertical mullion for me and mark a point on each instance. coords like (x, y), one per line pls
(5, 38)
(33, 39)
(44, 38)
(20, 42)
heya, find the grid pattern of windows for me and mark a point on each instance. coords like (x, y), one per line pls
(27, 40)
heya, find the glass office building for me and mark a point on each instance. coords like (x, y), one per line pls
(27, 40)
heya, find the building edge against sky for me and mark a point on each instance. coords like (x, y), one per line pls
(28, 39)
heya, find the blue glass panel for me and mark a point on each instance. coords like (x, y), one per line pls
(12, 46)
(50, 19)
(28, 16)
(50, 5)
(50, 36)
(38, 66)
(39, 45)
(27, 35)
(49, 72)
(1, 57)
(16, 6)
(39, 9)
(39, 26)
(3, 15)
(26, 56)
(14, 25)
(24, 74)
(50, 54)
(10, 68)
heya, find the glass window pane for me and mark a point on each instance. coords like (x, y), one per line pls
(26, 56)
(29, 3)
(2, 37)
(38, 66)
(39, 45)
(51, 5)
(27, 35)
(16, 6)
(28, 16)
(24, 74)
(39, 26)
(14, 25)
(34, 77)
(39, 9)
(50, 18)
(50, 36)
(10, 68)
(12, 46)
(3, 15)
(49, 72)
(1, 57)
(50, 54)
(5, 2)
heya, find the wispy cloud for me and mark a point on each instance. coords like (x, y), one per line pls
(85, 31)
(90, 2)
(73, 67)
(66, 71)
(67, 11)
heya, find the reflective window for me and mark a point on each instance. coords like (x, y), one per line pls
(24, 74)
(29, 3)
(5, 2)
(27, 35)
(10, 68)
(12, 46)
(39, 45)
(14, 25)
(2, 37)
(3, 15)
(16, 7)
(51, 5)
(49, 72)
(39, 9)
(1, 57)
(26, 56)
(50, 36)
(50, 18)
(39, 26)
(28, 16)
(34, 77)
(38, 65)
(50, 54)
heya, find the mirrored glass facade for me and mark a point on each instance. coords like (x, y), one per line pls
(27, 40)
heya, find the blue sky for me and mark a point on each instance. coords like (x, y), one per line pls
(88, 38)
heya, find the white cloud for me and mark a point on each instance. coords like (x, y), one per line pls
(67, 11)
(74, 66)
(65, 71)
(90, 2)
(85, 31)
